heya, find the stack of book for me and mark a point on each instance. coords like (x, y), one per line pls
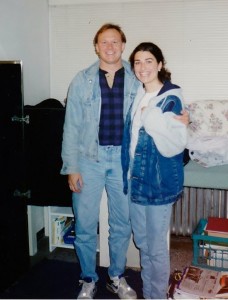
(199, 283)
(59, 226)
(217, 227)
(69, 234)
(217, 252)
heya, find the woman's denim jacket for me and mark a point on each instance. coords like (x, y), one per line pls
(81, 126)
(154, 178)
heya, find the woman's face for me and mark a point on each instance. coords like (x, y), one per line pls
(146, 67)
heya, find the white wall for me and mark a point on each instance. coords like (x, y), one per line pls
(24, 35)
(192, 35)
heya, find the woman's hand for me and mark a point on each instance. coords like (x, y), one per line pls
(184, 117)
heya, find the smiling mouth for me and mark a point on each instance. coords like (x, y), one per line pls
(144, 74)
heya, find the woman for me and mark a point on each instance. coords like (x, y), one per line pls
(152, 155)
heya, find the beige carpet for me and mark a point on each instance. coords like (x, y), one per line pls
(181, 252)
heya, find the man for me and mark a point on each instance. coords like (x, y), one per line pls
(97, 102)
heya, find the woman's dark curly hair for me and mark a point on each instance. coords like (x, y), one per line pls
(164, 74)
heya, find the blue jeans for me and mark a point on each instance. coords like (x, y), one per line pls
(150, 227)
(97, 175)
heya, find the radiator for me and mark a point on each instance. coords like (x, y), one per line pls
(197, 203)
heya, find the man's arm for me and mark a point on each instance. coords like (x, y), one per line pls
(184, 117)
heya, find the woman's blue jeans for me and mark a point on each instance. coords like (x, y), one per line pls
(150, 227)
(97, 175)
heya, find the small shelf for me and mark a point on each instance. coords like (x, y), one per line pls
(53, 213)
(61, 211)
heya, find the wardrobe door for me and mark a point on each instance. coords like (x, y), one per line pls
(14, 249)
(43, 142)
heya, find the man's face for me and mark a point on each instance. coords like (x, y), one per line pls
(109, 47)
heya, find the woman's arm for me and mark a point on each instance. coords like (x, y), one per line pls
(169, 133)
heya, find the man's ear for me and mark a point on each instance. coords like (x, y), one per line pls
(123, 46)
(96, 49)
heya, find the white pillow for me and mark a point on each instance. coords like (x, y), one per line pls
(208, 118)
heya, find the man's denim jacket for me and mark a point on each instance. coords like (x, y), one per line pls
(155, 179)
(81, 126)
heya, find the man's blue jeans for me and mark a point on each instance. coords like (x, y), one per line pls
(150, 227)
(97, 175)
